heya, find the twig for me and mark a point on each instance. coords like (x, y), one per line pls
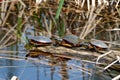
(118, 59)
(7, 34)
(12, 58)
(116, 78)
(4, 8)
(103, 56)
(81, 68)
(7, 15)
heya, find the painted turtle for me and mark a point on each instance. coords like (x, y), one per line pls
(69, 41)
(94, 45)
(99, 44)
(40, 41)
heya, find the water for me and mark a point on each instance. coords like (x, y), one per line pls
(43, 69)
(13, 63)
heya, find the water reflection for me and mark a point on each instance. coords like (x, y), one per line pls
(57, 65)
(43, 68)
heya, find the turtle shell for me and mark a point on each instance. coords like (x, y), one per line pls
(85, 45)
(70, 40)
(99, 44)
(40, 40)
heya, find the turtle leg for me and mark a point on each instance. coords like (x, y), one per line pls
(91, 47)
(98, 50)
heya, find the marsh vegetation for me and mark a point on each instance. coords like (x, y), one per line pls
(87, 19)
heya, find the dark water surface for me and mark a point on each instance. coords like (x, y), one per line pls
(45, 68)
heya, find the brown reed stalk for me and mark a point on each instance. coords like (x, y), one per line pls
(91, 23)
(8, 12)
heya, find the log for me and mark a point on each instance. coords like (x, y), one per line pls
(76, 53)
